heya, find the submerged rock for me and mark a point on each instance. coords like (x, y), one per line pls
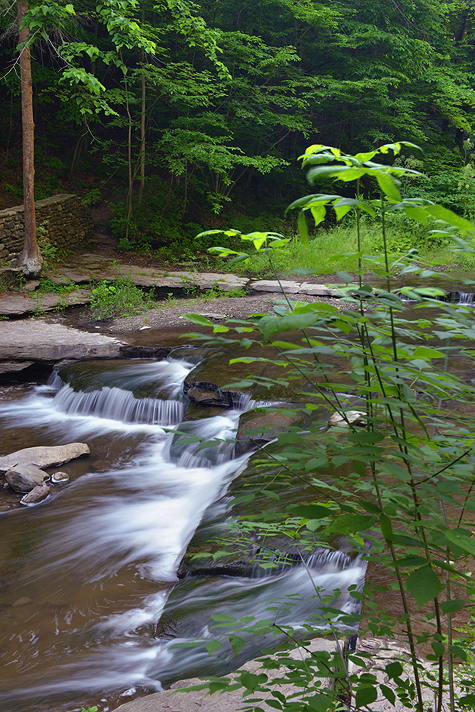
(257, 428)
(59, 478)
(204, 393)
(37, 495)
(43, 456)
(24, 478)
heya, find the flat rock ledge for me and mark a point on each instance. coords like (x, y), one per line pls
(380, 650)
(43, 457)
(25, 342)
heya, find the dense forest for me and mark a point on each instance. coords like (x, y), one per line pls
(185, 115)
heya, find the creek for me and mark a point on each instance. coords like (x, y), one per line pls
(87, 575)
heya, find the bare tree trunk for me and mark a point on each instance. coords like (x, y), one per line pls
(30, 259)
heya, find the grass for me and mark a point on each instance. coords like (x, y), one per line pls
(334, 249)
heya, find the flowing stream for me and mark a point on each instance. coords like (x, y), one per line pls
(87, 575)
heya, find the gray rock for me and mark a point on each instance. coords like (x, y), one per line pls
(202, 397)
(16, 305)
(59, 478)
(39, 341)
(229, 701)
(24, 478)
(149, 277)
(353, 417)
(43, 456)
(12, 366)
(31, 285)
(257, 429)
(316, 290)
(272, 285)
(37, 495)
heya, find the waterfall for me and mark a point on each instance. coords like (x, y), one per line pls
(466, 298)
(90, 573)
(121, 405)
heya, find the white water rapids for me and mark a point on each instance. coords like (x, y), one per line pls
(85, 576)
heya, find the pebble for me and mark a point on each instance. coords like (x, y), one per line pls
(21, 601)
(59, 478)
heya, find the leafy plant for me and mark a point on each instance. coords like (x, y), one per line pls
(118, 299)
(46, 285)
(400, 479)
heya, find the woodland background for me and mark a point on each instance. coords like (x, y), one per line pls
(190, 115)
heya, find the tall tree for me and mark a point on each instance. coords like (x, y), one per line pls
(30, 259)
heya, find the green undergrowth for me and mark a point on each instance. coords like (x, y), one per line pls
(335, 249)
(119, 298)
(397, 481)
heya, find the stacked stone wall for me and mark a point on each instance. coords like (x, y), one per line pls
(62, 221)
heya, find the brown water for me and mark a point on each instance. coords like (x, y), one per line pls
(86, 576)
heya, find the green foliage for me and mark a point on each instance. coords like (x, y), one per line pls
(400, 479)
(118, 299)
(46, 285)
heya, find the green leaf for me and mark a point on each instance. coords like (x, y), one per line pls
(223, 619)
(350, 523)
(386, 527)
(394, 670)
(452, 606)
(416, 213)
(315, 307)
(198, 319)
(213, 645)
(388, 186)
(438, 648)
(365, 696)
(302, 227)
(461, 540)
(249, 681)
(388, 693)
(424, 585)
(319, 703)
(236, 643)
(400, 472)
(369, 507)
(467, 701)
(309, 511)
(441, 213)
(319, 213)
(288, 323)
(426, 353)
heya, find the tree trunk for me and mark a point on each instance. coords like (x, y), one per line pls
(142, 141)
(30, 259)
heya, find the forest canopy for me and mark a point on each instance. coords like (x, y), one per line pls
(197, 104)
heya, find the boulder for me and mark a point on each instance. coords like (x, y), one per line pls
(204, 393)
(202, 397)
(37, 495)
(353, 417)
(43, 456)
(257, 428)
(24, 478)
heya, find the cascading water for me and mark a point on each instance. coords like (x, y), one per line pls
(86, 576)
(466, 298)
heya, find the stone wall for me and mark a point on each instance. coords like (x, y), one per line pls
(65, 221)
